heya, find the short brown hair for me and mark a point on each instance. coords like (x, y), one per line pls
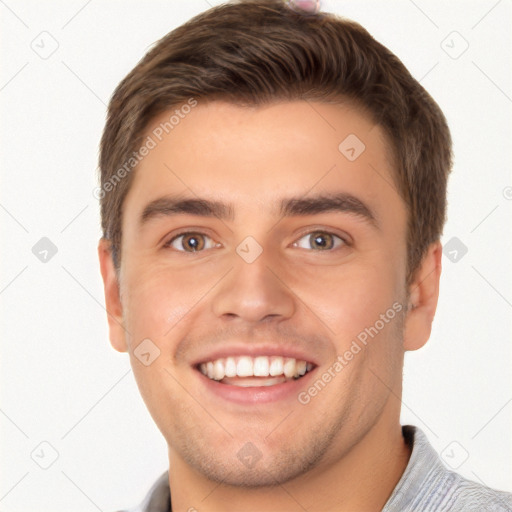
(253, 52)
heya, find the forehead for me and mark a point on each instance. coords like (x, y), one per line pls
(253, 157)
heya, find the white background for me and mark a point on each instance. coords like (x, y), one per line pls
(62, 383)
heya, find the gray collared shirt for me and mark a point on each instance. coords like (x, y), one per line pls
(426, 486)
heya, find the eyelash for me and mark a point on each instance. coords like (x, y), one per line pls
(343, 241)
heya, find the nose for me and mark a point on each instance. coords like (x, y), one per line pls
(254, 292)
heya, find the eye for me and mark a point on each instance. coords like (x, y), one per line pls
(191, 242)
(320, 240)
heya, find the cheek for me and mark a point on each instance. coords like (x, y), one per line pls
(155, 302)
(348, 300)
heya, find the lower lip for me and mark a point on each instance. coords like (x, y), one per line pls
(259, 394)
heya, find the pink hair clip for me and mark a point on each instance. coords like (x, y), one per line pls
(304, 6)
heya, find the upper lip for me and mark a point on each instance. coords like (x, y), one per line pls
(255, 351)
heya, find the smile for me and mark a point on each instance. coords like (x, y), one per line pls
(247, 371)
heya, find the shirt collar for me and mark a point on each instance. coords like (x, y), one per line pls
(423, 461)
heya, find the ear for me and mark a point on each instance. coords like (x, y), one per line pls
(113, 304)
(423, 295)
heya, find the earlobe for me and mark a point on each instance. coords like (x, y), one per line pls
(423, 296)
(112, 297)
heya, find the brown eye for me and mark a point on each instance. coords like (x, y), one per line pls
(320, 241)
(191, 242)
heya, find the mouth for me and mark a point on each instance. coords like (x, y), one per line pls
(253, 372)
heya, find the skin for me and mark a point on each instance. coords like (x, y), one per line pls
(342, 451)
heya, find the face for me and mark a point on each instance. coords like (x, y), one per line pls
(263, 263)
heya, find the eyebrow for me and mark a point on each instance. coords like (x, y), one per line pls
(168, 206)
(341, 202)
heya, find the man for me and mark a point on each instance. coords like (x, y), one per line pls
(273, 193)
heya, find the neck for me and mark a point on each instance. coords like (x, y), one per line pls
(361, 480)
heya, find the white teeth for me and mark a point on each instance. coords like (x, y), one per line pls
(209, 369)
(218, 370)
(261, 366)
(244, 367)
(230, 368)
(289, 367)
(276, 366)
(255, 382)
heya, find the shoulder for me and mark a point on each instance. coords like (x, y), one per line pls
(427, 485)
(158, 498)
(458, 493)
